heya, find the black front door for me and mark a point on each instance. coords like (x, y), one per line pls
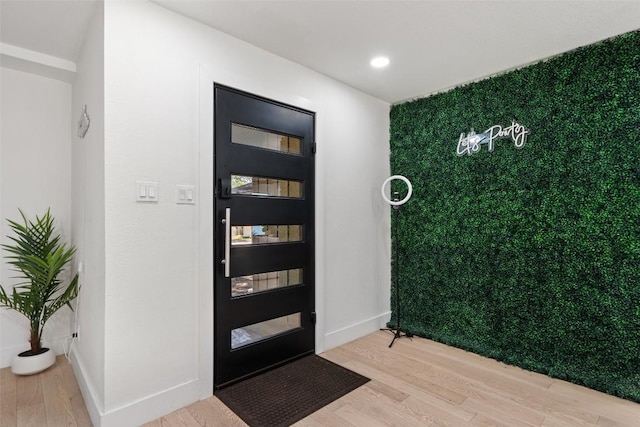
(264, 250)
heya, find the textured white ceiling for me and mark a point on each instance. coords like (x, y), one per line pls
(52, 27)
(433, 45)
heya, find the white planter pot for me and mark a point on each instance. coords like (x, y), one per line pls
(28, 365)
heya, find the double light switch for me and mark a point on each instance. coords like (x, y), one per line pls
(185, 194)
(147, 191)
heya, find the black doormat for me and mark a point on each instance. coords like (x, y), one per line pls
(287, 394)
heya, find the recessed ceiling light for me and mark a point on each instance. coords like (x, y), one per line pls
(379, 62)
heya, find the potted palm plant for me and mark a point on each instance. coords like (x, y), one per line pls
(39, 258)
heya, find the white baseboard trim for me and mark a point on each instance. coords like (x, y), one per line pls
(355, 331)
(136, 413)
(152, 407)
(89, 393)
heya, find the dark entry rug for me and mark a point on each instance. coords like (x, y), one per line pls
(287, 394)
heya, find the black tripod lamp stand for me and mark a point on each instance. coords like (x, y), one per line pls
(396, 203)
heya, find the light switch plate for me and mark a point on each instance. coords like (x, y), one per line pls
(185, 194)
(147, 191)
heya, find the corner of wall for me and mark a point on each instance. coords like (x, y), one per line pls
(150, 407)
(356, 330)
(87, 202)
(87, 388)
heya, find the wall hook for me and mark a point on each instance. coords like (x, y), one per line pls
(83, 123)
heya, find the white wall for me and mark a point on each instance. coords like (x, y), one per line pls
(159, 70)
(88, 187)
(35, 174)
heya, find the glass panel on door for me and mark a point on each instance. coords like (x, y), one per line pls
(247, 135)
(265, 234)
(265, 187)
(261, 282)
(260, 331)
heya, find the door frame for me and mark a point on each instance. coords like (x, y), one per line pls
(274, 116)
(205, 244)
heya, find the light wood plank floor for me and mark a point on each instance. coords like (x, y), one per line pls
(415, 383)
(51, 398)
(419, 382)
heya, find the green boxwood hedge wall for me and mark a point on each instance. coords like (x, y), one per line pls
(530, 256)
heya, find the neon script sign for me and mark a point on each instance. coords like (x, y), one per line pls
(472, 142)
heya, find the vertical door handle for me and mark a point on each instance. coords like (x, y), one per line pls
(227, 241)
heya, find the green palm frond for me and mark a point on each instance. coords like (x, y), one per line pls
(39, 258)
